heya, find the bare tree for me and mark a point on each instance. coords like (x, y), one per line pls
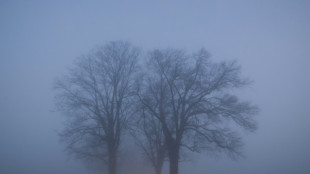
(96, 96)
(148, 135)
(191, 97)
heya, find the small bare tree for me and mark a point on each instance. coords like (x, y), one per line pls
(96, 97)
(190, 96)
(149, 136)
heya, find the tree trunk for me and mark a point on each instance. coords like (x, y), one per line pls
(159, 165)
(158, 170)
(174, 159)
(112, 163)
(174, 165)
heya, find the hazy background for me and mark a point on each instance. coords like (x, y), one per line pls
(270, 39)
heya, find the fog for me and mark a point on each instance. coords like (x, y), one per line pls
(270, 39)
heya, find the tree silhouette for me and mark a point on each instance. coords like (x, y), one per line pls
(191, 98)
(96, 97)
(148, 135)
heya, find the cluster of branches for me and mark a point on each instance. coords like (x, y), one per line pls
(175, 101)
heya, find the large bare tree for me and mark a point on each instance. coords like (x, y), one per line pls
(192, 99)
(96, 97)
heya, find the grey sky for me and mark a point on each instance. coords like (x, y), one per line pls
(270, 39)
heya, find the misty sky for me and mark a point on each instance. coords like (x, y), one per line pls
(270, 39)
